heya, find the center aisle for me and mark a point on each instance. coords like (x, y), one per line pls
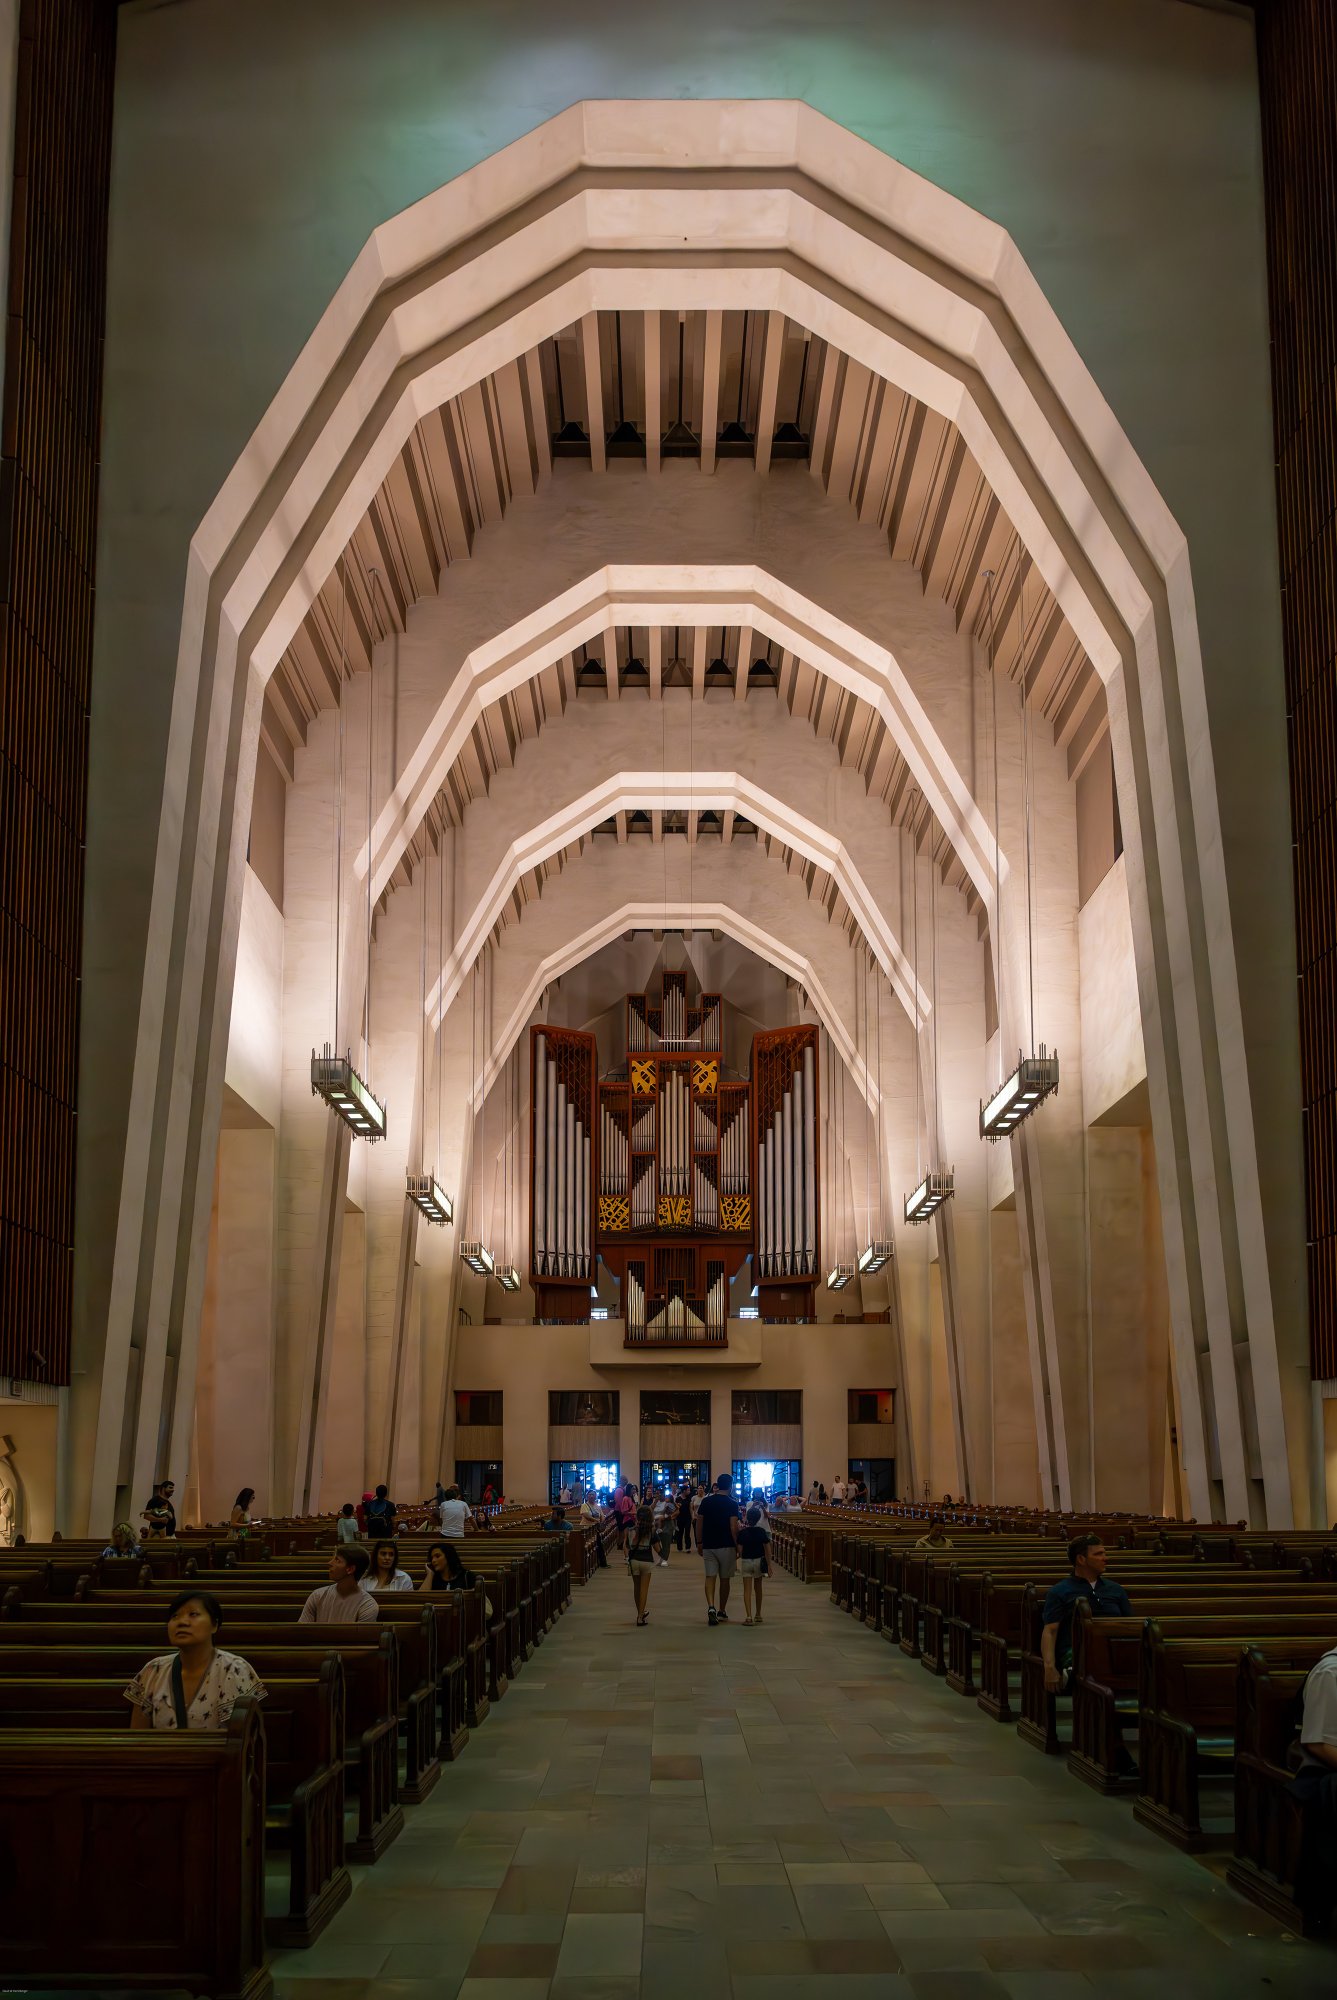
(781, 1813)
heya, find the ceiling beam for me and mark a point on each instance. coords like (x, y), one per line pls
(654, 415)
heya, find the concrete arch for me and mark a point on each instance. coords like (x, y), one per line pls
(782, 210)
(668, 594)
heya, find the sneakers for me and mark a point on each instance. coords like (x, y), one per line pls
(712, 1615)
(724, 1617)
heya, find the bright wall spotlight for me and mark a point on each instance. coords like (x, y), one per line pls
(930, 1195)
(1033, 1080)
(509, 1279)
(875, 1256)
(839, 1276)
(334, 1078)
(479, 1259)
(425, 1192)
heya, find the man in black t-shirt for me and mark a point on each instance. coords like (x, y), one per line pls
(717, 1520)
(159, 1512)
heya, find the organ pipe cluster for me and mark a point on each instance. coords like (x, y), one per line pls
(787, 1177)
(562, 1234)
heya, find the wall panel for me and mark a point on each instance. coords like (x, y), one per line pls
(48, 516)
(1297, 55)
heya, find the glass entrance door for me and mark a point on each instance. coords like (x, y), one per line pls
(670, 1473)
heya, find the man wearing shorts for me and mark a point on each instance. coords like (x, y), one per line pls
(717, 1522)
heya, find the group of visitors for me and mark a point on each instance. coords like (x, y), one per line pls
(727, 1541)
(851, 1492)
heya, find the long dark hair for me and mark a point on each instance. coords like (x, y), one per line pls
(453, 1563)
(245, 1497)
(645, 1524)
(376, 1555)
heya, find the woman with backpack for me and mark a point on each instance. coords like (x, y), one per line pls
(641, 1560)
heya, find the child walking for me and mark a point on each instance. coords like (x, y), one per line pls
(752, 1540)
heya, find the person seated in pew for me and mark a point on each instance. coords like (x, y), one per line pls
(341, 1601)
(1315, 1786)
(124, 1542)
(385, 1573)
(445, 1571)
(1087, 1556)
(556, 1523)
(937, 1536)
(346, 1527)
(197, 1685)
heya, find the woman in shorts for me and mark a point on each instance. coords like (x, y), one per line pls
(641, 1560)
(752, 1540)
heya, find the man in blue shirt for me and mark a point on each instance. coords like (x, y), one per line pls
(1088, 1557)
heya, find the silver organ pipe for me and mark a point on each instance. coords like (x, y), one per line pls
(786, 1199)
(810, 1159)
(560, 1238)
(540, 1205)
(550, 1184)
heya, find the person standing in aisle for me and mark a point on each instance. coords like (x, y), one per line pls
(717, 1523)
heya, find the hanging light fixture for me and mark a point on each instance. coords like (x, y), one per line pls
(1036, 1076)
(423, 1189)
(333, 1077)
(476, 1254)
(879, 1250)
(842, 1272)
(937, 1185)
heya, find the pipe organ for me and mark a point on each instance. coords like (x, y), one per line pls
(562, 1066)
(692, 1170)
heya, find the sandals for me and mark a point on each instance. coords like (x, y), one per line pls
(645, 1620)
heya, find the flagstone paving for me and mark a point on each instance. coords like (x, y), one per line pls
(781, 1813)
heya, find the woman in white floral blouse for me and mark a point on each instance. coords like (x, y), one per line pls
(197, 1686)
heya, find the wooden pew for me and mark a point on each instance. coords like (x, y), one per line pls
(246, 1604)
(370, 1662)
(1187, 1730)
(1107, 1656)
(198, 1798)
(304, 1788)
(1270, 1865)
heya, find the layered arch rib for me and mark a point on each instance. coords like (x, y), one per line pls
(710, 206)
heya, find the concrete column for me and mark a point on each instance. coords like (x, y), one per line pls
(234, 1407)
(629, 1431)
(1013, 1440)
(721, 1430)
(344, 1472)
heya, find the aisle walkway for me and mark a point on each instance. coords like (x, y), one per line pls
(777, 1814)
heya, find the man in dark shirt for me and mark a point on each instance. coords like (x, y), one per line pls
(160, 1513)
(717, 1522)
(1088, 1557)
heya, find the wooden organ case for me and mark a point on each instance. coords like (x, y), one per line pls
(690, 1173)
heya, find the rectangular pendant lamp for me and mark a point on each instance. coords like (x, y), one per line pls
(839, 1276)
(929, 1196)
(876, 1256)
(427, 1194)
(1034, 1079)
(479, 1259)
(334, 1078)
(509, 1279)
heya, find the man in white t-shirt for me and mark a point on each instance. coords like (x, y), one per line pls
(453, 1514)
(1315, 1785)
(838, 1490)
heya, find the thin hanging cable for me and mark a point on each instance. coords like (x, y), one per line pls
(371, 752)
(997, 841)
(441, 974)
(422, 1021)
(1026, 754)
(933, 924)
(914, 953)
(881, 1211)
(339, 794)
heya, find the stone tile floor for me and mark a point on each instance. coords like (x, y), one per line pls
(780, 1813)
